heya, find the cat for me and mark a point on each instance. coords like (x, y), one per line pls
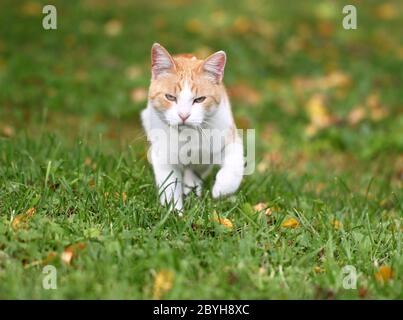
(187, 94)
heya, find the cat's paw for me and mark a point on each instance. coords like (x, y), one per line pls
(191, 182)
(226, 183)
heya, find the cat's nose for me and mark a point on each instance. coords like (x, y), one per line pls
(184, 115)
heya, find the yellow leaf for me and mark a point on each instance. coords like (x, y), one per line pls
(337, 225)
(318, 269)
(113, 28)
(317, 111)
(71, 251)
(21, 219)
(163, 282)
(31, 8)
(387, 11)
(224, 221)
(194, 26)
(290, 223)
(384, 274)
(124, 196)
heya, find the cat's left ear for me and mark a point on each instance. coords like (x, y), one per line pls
(214, 66)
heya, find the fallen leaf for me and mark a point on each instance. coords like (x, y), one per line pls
(163, 282)
(318, 269)
(317, 111)
(71, 251)
(139, 95)
(290, 223)
(337, 225)
(245, 93)
(384, 274)
(377, 111)
(262, 207)
(133, 72)
(242, 25)
(113, 28)
(51, 255)
(123, 196)
(223, 221)
(194, 26)
(356, 115)
(31, 8)
(335, 79)
(21, 219)
(362, 292)
(8, 131)
(387, 11)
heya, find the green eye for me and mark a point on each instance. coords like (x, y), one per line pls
(199, 100)
(170, 97)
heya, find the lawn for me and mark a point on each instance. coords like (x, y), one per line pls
(77, 191)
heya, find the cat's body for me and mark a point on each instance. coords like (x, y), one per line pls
(187, 98)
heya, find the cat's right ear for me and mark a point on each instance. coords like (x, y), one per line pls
(161, 61)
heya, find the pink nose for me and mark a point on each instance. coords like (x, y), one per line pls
(184, 116)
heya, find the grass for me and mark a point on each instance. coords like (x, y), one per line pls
(73, 149)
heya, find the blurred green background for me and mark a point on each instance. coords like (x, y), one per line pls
(293, 72)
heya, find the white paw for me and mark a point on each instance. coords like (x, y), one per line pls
(227, 182)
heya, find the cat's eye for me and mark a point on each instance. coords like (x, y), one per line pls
(170, 97)
(199, 100)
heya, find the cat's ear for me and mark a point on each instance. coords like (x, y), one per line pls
(214, 65)
(161, 61)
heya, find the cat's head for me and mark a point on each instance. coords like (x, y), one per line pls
(185, 90)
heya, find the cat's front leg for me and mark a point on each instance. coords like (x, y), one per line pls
(230, 175)
(169, 181)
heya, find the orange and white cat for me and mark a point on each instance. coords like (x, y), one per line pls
(187, 94)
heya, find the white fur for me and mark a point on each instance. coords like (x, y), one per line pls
(176, 180)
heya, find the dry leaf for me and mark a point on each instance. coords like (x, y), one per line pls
(290, 223)
(318, 269)
(223, 221)
(31, 8)
(163, 282)
(194, 26)
(387, 11)
(245, 94)
(317, 111)
(51, 255)
(138, 95)
(242, 25)
(118, 196)
(21, 219)
(384, 274)
(113, 28)
(337, 225)
(8, 131)
(362, 292)
(356, 115)
(133, 72)
(71, 251)
(262, 207)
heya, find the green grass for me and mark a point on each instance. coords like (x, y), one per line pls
(76, 141)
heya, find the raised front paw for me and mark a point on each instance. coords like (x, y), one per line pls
(226, 183)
